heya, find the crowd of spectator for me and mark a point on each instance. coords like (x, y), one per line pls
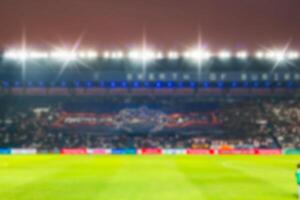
(243, 124)
(285, 121)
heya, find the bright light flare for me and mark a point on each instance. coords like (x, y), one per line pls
(242, 55)
(58, 54)
(82, 54)
(38, 55)
(13, 54)
(259, 55)
(91, 54)
(224, 54)
(173, 55)
(276, 55)
(106, 55)
(159, 55)
(117, 55)
(87, 54)
(146, 55)
(64, 55)
(187, 54)
(142, 55)
(292, 55)
(197, 54)
(24, 55)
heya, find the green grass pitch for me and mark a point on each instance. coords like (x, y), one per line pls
(56, 177)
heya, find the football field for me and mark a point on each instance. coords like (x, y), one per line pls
(57, 177)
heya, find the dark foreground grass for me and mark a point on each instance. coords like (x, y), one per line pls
(56, 177)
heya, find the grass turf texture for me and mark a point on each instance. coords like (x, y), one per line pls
(56, 177)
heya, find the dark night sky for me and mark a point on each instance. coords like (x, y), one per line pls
(168, 23)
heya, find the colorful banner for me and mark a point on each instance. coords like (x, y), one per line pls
(150, 151)
(140, 119)
(200, 151)
(5, 151)
(268, 151)
(123, 151)
(98, 151)
(74, 151)
(236, 151)
(291, 151)
(154, 151)
(174, 151)
(23, 151)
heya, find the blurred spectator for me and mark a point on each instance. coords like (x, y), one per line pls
(243, 124)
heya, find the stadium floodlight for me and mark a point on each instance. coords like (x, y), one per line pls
(120, 54)
(114, 55)
(159, 55)
(197, 54)
(173, 55)
(142, 55)
(207, 55)
(14, 54)
(280, 55)
(134, 55)
(145, 55)
(117, 55)
(91, 54)
(82, 54)
(187, 54)
(106, 55)
(242, 55)
(292, 55)
(24, 55)
(64, 55)
(270, 54)
(87, 54)
(38, 55)
(275, 55)
(148, 55)
(259, 55)
(9, 55)
(224, 54)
